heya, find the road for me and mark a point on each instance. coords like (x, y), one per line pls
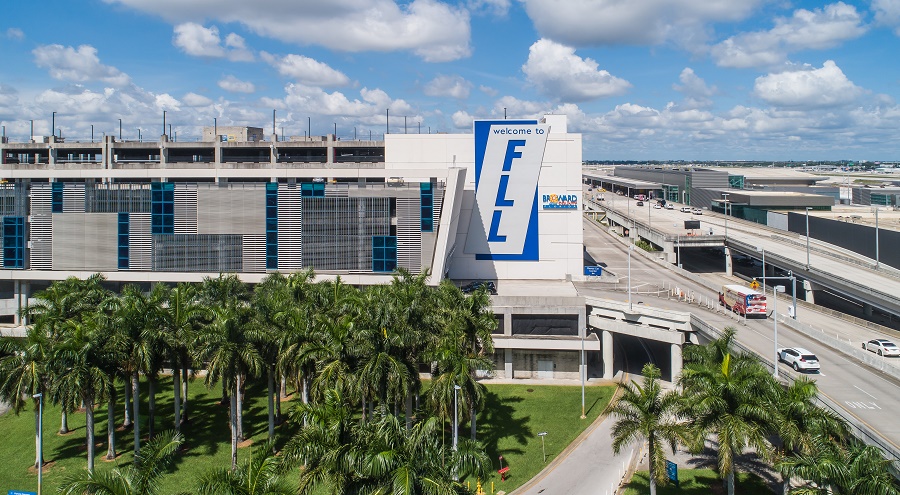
(864, 393)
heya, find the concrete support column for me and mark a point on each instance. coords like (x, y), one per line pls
(729, 271)
(507, 322)
(867, 309)
(677, 362)
(273, 151)
(607, 349)
(808, 290)
(508, 363)
(163, 152)
(669, 252)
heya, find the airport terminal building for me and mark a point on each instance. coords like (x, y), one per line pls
(502, 203)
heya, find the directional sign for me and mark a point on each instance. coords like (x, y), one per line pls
(593, 271)
(754, 285)
(672, 471)
(18, 492)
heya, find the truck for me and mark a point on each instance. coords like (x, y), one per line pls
(744, 301)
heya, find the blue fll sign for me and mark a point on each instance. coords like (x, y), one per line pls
(508, 157)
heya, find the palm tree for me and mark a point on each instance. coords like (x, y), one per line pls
(295, 318)
(23, 372)
(142, 478)
(263, 474)
(728, 398)
(86, 357)
(228, 347)
(800, 422)
(645, 412)
(834, 468)
(271, 299)
(178, 316)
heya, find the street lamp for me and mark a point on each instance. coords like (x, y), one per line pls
(543, 450)
(455, 416)
(807, 237)
(726, 214)
(53, 123)
(630, 249)
(120, 129)
(40, 434)
(876, 238)
(775, 291)
(583, 371)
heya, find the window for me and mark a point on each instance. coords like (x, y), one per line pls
(271, 226)
(13, 242)
(162, 207)
(384, 253)
(56, 197)
(312, 190)
(123, 240)
(426, 200)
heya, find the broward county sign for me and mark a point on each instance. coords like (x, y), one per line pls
(508, 157)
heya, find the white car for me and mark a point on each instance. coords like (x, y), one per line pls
(697, 211)
(669, 206)
(657, 207)
(799, 359)
(882, 347)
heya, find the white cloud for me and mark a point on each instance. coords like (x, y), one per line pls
(808, 87)
(488, 90)
(887, 13)
(195, 100)
(462, 120)
(77, 65)
(433, 30)
(644, 22)
(448, 86)
(806, 29)
(559, 73)
(696, 93)
(235, 85)
(199, 41)
(306, 71)
(15, 34)
(495, 7)
(369, 108)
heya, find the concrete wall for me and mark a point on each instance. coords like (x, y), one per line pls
(565, 364)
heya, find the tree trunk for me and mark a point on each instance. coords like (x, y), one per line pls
(89, 430)
(278, 397)
(135, 397)
(184, 395)
(729, 481)
(111, 424)
(305, 390)
(362, 419)
(238, 392)
(127, 391)
(271, 397)
(472, 413)
(224, 393)
(37, 436)
(176, 379)
(234, 440)
(64, 419)
(409, 410)
(151, 407)
(652, 472)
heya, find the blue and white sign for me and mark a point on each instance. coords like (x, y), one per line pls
(593, 271)
(508, 157)
(17, 492)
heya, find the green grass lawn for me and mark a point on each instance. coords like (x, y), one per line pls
(508, 426)
(697, 482)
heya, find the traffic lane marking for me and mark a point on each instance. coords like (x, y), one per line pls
(867, 393)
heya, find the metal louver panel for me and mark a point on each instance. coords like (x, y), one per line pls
(185, 209)
(337, 190)
(73, 198)
(140, 243)
(254, 253)
(409, 234)
(231, 211)
(290, 219)
(85, 241)
(41, 228)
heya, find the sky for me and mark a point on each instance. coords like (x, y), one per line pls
(639, 79)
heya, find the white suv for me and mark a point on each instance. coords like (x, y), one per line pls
(799, 358)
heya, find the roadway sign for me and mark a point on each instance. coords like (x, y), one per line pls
(672, 471)
(754, 285)
(17, 492)
(593, 271)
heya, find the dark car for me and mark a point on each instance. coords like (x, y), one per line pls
(473, 286)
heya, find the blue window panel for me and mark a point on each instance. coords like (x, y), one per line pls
(56, 197)
(13, 242)
(312, 190)
(384, 253)
(124, 224)
(271, 226)
(426, 201)
(162, 208)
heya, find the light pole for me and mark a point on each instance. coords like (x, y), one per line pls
(40, 433)
(543, 450)
(876, 238)
(775, 291)
(583, 371)
(678, 245)
(726, 215)
(455, 416)
(120, 129)
(807, 237)
(630, 249)
(53, 124)
(764, 267)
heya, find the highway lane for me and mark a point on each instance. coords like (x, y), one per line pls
(862, 392)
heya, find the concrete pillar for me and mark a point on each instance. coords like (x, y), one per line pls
(728, 263)
(607, 349)
(669, 252)
(867, 309)
(163, 152)
(677, 362)
(508, 363)
(808, 290)
(507, 322)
